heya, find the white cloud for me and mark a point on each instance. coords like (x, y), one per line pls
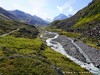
(16, 6)
(60, 9)
(2, 5)
(38, 11)
(70, 9)
(38, 8)
(67, 7)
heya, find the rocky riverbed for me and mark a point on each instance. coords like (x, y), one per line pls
(82, 54)
(92, 53)
(70, 48)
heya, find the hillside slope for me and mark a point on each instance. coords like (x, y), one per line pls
(5, 14)
(86, 22)
(92, 10)
(9, 22)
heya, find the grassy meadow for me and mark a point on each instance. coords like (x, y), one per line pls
(26, 56)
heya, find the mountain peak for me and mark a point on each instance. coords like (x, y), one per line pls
(61, 16)
(18, 11)
(6, 14)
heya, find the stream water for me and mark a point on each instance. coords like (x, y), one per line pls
(59, 48)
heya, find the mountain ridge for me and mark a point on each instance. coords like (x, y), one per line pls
(4, 13)
(22, 17)
(25, 17)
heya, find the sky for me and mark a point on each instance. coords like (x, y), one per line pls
(45, 8)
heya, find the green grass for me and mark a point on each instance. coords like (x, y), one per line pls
(63, 62)
(26, 56)
(91, 42)
(65, 33)
(70, 34)
(26, 32)
(25, 66)
(8, 25)
(82, 22)
(23, 56)
(20, 45)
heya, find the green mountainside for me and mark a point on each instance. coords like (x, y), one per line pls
(86, 22)
(84, 16)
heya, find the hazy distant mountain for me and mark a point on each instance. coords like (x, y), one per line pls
(24, 17)
(60, 17)
(21, 15)
(6, 15)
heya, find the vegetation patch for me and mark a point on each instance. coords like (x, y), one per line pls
(63, 63)
(83, 22)
(26, 32)
(32, 57)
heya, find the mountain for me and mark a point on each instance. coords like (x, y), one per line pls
(24, 17)
(85, 21)
(60, 17)
(6, 15)
(9, 22)
(92, 10)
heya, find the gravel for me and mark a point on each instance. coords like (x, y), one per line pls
(93, 54)
(70, 48)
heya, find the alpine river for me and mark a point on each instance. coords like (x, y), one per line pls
(56, 46)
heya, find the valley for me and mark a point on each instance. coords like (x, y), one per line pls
(65, 45)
